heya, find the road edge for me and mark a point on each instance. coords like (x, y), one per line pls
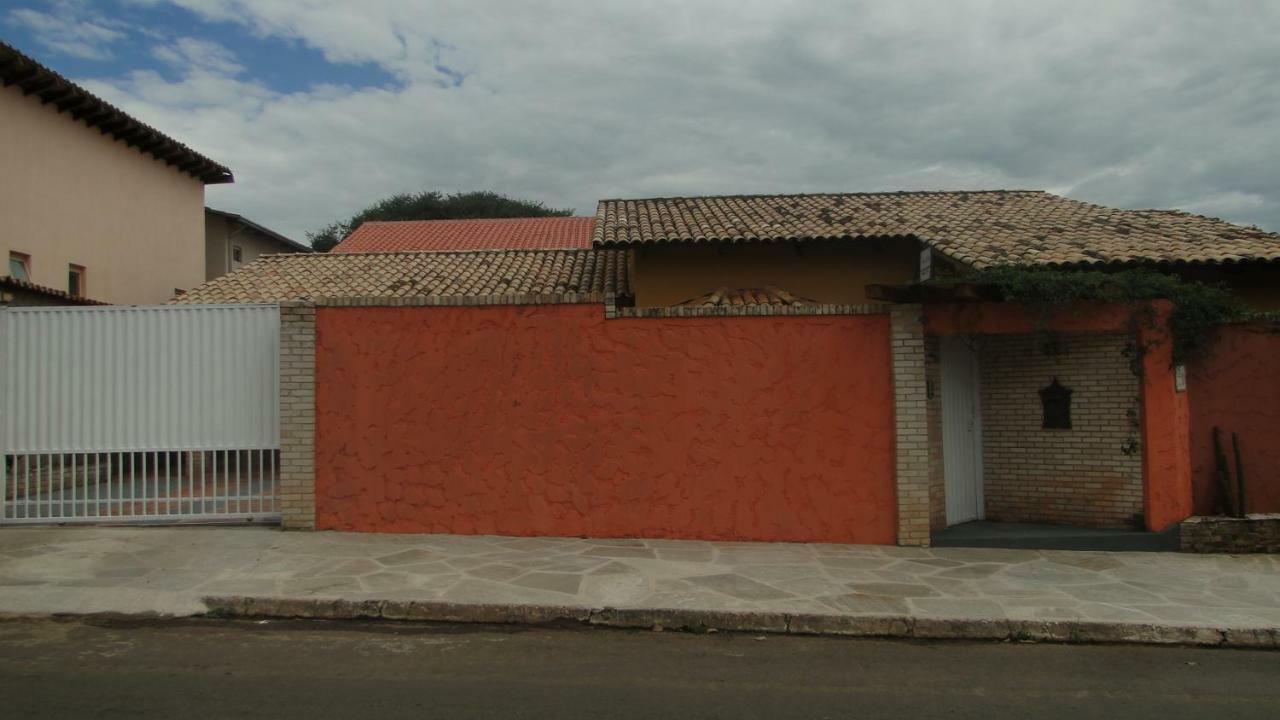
(689, 620)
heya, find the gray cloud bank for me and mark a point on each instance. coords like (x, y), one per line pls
(1133, 104)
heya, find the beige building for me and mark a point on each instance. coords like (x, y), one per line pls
(94, 203)
(232, 241)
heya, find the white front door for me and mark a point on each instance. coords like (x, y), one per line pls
(961, 431)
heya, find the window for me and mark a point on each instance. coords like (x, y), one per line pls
(75, 281)
(237, 255)
(20, 266)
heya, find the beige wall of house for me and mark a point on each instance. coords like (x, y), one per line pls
(72, 195)
(824, 271)
(223, 233)
(217, 257)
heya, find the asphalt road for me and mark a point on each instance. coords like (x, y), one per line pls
(213, 669)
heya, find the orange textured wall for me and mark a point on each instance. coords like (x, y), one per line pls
(1237, 388)
(1166, 428)
(551, 420)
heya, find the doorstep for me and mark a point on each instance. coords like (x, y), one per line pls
(1035, 536)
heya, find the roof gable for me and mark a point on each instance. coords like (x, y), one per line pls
(266, 232)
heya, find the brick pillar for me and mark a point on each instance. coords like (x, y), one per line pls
(912, 428)
(297, 415)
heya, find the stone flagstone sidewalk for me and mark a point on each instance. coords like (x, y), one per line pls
(758, 587)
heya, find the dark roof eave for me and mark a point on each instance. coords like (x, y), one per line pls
(46, 85)
(1117, 264)
(262, 229)
(766, 240)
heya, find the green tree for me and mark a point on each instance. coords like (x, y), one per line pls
(431, 205)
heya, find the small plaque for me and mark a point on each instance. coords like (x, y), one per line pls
(1180, 377)
(926, 264)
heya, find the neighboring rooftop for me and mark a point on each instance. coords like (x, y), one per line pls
(61, 297)
(288, 242)
(33, 78)
(740, 297)
(460, 278)
(540, 233)
(980, 229)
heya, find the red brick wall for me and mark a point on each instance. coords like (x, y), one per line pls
(551, 420)
(1237, 387)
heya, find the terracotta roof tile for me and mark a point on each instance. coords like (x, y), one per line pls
(980, 229)
(463, 276)
(739, 297)
(8, 281)
(541, 233)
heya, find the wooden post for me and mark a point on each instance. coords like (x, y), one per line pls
(1240, 496)
(1223, 472)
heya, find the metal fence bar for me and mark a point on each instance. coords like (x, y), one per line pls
(133, 484)
(97, 488)
(215, 479)
(39, 474)
(168, 487)
(138, 486)
(204, 494)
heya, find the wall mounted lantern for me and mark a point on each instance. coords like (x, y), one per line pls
(1056, 400)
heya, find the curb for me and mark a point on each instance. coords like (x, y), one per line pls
(868, 626)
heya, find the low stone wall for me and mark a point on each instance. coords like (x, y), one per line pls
(1251, 534)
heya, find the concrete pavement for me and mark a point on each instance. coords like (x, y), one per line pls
(755, 587)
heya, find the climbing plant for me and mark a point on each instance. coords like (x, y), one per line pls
(1198, 308)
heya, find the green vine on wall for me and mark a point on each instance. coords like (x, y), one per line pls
(1198, 308)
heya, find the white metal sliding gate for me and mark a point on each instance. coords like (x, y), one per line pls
(139, 413)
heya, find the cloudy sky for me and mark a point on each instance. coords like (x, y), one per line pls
(323, 106)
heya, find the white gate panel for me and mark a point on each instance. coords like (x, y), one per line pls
(961, 431)
(139, 413)
(139, 378)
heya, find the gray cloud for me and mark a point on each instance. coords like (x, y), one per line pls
(1135, 104)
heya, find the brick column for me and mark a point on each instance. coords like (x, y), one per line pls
(297, 415)
(912, 427)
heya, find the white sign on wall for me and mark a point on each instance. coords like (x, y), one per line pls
(926, 264)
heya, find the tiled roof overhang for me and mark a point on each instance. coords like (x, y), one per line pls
(8, 281)
(33, 78)
(979, 229)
